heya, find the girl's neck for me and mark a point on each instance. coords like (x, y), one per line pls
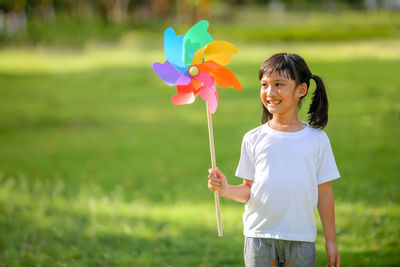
(285, 124)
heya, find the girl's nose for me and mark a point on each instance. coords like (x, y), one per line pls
(270, 91)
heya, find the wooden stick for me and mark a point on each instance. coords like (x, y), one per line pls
(214, 165)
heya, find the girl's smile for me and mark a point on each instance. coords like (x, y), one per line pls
(273, 102)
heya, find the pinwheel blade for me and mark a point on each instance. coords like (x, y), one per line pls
(223, 77)
(209, 94)
(186, 93)
(169, 74)
(194, 39)
(218, 51)
(198, 57)
(183, 98)
(173, 45)
(205, 78)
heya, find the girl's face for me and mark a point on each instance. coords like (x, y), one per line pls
(280, 95)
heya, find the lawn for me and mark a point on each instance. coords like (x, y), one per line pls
(98, 168)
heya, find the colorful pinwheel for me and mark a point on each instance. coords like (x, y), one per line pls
(194, 64)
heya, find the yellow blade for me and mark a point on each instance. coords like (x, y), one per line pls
(217, 51)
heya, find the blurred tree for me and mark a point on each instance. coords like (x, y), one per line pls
(77, 8)
(329, 5)
(191, 11)
(14, 16)
(115, 11)
(160, 8)
(6, 5)
(358, 4)
(15, 12)
(45, 9)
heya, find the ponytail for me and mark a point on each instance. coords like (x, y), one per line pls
(318, 112)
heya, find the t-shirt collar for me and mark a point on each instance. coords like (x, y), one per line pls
(287, 134)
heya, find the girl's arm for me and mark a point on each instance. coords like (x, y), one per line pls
(239, 193)
(326, 208)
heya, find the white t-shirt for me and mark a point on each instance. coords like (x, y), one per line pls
(286, 169)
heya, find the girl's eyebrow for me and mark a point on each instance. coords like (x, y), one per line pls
(277, 80)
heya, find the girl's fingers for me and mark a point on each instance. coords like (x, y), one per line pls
(215, 182)
(211, 173)
(215, 172)
(213, 177)
(214, 186)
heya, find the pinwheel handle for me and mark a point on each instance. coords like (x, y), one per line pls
(214, 166)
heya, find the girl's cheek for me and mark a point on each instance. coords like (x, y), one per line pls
(263, 92)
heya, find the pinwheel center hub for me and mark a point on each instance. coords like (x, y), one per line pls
(193, 71)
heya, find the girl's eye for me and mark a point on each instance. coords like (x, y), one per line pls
(278, 84)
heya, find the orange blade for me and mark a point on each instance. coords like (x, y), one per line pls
(223, 77)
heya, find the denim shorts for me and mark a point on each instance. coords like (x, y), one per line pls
(276, 252)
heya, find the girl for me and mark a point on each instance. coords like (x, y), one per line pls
(286, 165)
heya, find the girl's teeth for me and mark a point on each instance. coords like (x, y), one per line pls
(274, 102)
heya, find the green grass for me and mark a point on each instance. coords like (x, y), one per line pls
(98, 168)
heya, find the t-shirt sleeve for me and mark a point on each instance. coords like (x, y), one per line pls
(327, 169)
(245, 167)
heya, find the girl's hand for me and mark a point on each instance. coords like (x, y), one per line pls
(333, 254)
(217, 181)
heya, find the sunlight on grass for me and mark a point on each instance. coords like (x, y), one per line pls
(54, 61)
(327, 51)
(91, 215)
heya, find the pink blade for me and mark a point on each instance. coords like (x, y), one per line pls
(209, 94)
(205, 78)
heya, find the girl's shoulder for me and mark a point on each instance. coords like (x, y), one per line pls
(253, 133)
(319, 134)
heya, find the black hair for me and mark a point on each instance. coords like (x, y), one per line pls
(294, 67)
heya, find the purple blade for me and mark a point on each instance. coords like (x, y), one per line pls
(169, 74)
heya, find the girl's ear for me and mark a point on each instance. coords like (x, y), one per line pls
(302, 89)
